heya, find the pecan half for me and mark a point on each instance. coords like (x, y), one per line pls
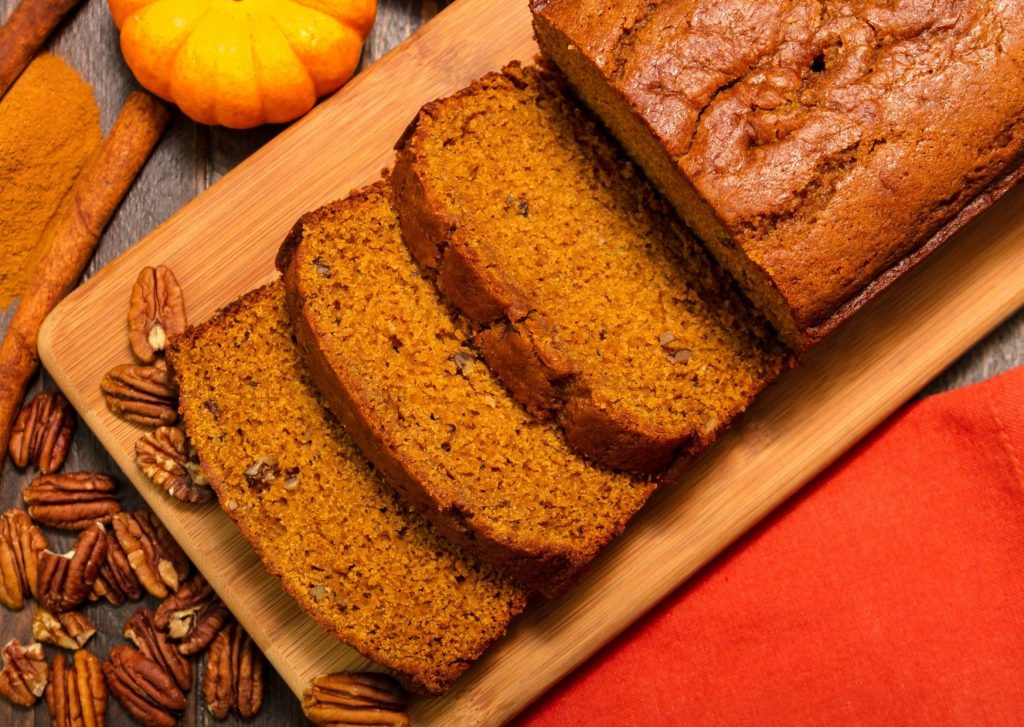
(356, 698)
(168, 460)
(145, 395)
(77, 696)
(67, 580)
(69, 630)
(41, 434)
(21, 544)
(194, 615)
(233, 680)
(141, 631)
(23, 678)
(157, 560)
(117, 581)
(146, 691)
(156, 311)
(71, 501)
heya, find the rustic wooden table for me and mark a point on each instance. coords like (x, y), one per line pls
(189, 159)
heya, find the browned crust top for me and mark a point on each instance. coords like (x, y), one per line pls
(836, 142)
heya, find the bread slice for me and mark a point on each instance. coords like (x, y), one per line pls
(396, 365)
(354, 556)
(595, 306)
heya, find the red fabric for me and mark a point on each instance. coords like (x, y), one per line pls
(891, 591)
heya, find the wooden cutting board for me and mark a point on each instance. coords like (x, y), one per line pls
(223, 244)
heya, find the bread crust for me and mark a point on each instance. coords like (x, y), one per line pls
(992, 194)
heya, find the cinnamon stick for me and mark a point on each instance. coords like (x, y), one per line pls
(24, 33)
(71, 238)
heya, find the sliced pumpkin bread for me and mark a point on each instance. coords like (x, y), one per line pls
(396, 365)
(355, 557)
(593, 303)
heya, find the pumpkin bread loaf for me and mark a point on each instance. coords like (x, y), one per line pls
(594, 305)
(396, 366)
(354, 556)
(820, 149)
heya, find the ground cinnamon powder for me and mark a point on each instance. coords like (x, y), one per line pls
(49, 128)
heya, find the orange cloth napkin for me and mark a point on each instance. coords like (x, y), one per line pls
(890, 591)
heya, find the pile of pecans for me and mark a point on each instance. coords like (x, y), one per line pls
(146, 394)
(118, 556)
(124, 556)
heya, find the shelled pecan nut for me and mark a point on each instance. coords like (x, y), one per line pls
(77, 695)
(156, 312)
(117, 581)
(69, 630)
(71, 501)
(21, 544)
(233, 680)
(156, 559)
(356, 698)
(156, 646)
(24, 674)
(146, 691)
(145, 395)
(41, 434)
(67, 580)
(167, 459)
(193, 615)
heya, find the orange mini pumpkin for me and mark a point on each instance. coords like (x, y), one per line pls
(241, 63)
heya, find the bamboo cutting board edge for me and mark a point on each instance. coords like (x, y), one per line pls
(857, 377)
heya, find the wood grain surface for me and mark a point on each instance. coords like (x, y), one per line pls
(191, 158)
